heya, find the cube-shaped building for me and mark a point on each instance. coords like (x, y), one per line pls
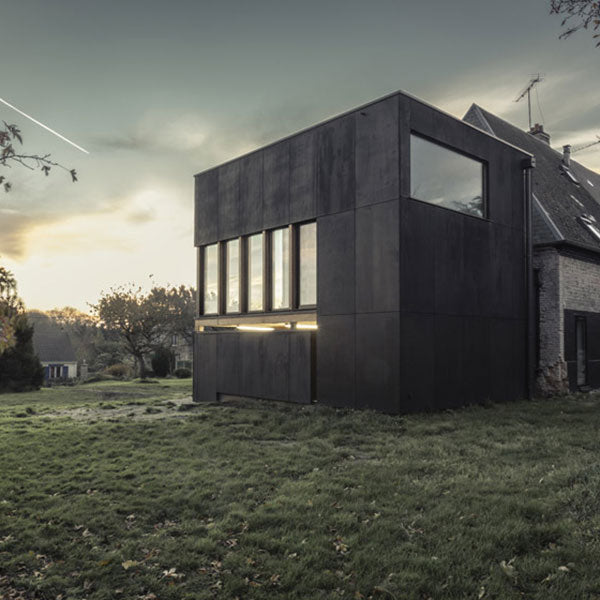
(379, 259)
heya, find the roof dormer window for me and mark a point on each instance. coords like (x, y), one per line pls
(589, 222)
(577, 201)
(570, 175)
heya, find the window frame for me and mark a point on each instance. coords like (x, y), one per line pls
(202, 280)
(298, 261)
(290, 269)
(263, 236)
(485, 208)
(240, 269)
(293, 273)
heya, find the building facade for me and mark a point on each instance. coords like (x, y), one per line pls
(566, 258)
(380, 260)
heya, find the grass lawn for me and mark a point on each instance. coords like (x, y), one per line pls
(126, 490)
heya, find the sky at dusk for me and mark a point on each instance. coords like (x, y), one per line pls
(159, 91)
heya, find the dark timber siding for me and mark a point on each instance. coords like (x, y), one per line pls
(419, 307)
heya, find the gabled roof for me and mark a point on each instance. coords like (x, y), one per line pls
(560, 196)
(50, 342)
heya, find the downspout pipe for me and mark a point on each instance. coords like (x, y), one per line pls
(527, 165)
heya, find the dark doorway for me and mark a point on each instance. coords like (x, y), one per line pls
(581, 349)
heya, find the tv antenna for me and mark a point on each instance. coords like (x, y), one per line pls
(527, 92)
(584, 146)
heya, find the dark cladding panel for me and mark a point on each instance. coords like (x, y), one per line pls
(417, 362)
(476, 288)
(301, 366)
(206, 208)
(377, 166)
(404, 119)
(251, 196)
(449, 345)
(205, 367)
(251, 366)
(499, 199)
(448, 240)
(228, 363)
(507, 359)
(419, 225)
(377, 258)
(507, 273)
(476, 360)
(335, 166)
(275, 356)
(515, 190)
(335, 268)
(229, 200)
(378, 361)
(276, 185)
(303, 203)
(335, 360)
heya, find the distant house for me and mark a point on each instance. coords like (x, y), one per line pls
(566, 257)
(183, 352)
(53, 347)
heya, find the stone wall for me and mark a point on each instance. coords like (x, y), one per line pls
(566, 283)
(551, 375)
(580, 284)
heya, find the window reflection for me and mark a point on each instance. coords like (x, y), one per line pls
(280, 241)
(308, 264)
(445, 178)
(211, 279)
(255, 272)
(233, 276)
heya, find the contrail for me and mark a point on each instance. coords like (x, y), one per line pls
(62, 137)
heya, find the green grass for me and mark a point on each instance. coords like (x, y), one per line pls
(125, 490)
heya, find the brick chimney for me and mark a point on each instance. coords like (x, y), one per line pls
(566, 155)
(538, 132)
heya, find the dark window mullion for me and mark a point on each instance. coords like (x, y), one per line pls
(222, 277)
(200, 283)
(244, 274)
(267, 272)
(293, 270)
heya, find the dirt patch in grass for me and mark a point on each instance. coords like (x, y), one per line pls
(138, 411)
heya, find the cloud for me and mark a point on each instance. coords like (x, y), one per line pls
(157, 131)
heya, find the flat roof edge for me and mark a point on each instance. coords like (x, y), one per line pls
(357, 108)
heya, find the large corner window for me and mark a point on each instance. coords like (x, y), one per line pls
(446, 178)
(280, 265)
(233, 276)
(307, 264)
(255, 272)
(274, 270)
(211, 279)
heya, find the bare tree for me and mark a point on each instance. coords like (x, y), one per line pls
(577, 14)
(11, 154)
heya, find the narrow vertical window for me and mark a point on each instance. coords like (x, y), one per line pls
(211, 279)
(280, 248)
(233, 276)
(307, 263)
(255, 272)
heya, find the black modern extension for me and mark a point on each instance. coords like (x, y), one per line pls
(379, 259)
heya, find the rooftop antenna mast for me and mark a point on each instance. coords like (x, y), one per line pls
(527, 92)
(584, 146)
